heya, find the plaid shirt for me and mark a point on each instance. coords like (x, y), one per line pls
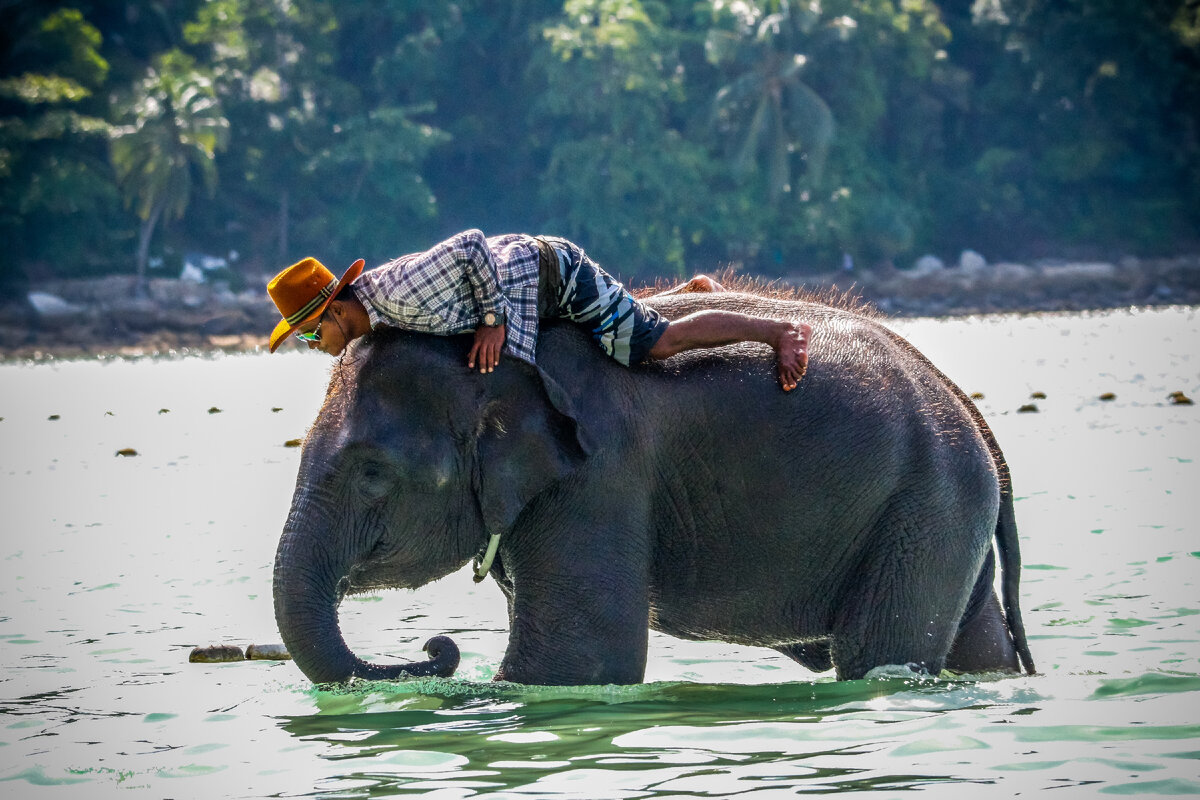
(448, 288)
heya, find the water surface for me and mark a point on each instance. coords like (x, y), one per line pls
(114, 567)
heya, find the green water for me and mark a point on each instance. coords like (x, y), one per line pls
(114, 567)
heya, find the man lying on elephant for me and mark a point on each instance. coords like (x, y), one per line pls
(499, 287)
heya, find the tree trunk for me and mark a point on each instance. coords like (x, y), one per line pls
(143, 249)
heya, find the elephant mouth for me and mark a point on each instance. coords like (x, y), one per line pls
(371, 573)
(379, 571)
(388, 566)
(364, 580)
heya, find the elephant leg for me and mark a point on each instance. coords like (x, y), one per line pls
(580, 635)
(905, 600)
(983, 643)
(891, 631)
(810, 655)
(580, 608)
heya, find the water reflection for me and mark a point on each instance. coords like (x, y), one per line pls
(665, 737)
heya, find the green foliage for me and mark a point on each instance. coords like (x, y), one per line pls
(766, 112)
(666, 136)
(1090, 120)
(328, 141)
(64, 40)
(621, 178)
(174, 128)
(52, 172)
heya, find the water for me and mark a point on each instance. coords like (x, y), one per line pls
(114, 567)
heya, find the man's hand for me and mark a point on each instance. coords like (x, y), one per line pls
(486, 349)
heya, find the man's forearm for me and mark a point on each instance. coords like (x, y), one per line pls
(480, 269)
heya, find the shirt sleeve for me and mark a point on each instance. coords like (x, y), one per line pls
(475, 257)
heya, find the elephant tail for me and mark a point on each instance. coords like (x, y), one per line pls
(1010, 569)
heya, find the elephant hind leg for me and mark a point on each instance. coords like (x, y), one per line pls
(895, 638)
(901, 605)
(983, 643)
(810, 655)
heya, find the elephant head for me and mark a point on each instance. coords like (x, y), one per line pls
(412, 464)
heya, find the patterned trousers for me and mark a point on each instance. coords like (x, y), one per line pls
(624, 327)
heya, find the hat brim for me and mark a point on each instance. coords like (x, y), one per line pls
(283, 329)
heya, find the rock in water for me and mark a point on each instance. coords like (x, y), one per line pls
(216, 654)
(970, 261)
(268, 652)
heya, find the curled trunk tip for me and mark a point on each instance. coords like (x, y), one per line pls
(443, 661)
(444, 655)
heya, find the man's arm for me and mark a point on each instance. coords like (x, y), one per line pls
(475, 257)
(413, 292)
(480, 269)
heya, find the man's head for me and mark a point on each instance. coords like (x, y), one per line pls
(303, 292)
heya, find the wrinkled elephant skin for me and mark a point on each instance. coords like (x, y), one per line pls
(851, 523)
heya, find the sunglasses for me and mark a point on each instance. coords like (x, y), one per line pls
(311, 336)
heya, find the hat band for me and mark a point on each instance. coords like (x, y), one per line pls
(303, 313)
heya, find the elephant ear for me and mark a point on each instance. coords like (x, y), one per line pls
(529, 437)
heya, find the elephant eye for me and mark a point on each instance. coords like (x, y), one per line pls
(373, 480)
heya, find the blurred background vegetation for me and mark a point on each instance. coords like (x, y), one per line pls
(664, 136)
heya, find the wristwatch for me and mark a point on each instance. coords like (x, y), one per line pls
(494, 319)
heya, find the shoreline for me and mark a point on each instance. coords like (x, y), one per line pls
(79, 319)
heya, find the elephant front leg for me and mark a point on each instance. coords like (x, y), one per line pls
(577, 636)
(581, 619)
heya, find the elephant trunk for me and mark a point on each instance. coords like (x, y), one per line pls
(306, 589)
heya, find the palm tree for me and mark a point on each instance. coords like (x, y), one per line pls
(767, 112)
(175, 125)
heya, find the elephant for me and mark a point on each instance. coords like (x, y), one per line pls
(854, 522)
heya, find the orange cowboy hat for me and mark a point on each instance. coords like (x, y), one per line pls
(303, 291)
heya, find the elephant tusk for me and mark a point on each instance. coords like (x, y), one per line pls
(481, 570)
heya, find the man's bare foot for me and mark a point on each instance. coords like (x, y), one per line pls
(791, 350)
(701, 283)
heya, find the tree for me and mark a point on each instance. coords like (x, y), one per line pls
(811, 190)
(1087, 124)
(174, 132)
(328, 104)
(55, 187)
(621, 176)
(881, 67)
(767, 112)
(664, 135)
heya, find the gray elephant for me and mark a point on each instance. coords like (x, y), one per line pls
(848, 523)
